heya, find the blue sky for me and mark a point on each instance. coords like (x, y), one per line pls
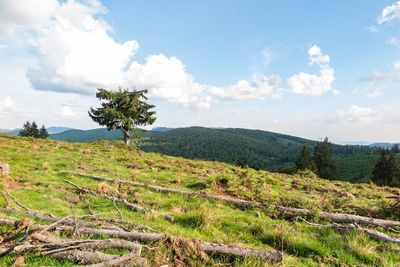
(306, 68)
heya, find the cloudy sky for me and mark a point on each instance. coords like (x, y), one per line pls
(306, 68)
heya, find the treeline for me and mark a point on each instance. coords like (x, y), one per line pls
(321, 161)
(32, 130)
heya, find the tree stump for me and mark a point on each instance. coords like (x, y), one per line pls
(4, 169)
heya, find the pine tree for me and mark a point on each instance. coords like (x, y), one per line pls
(326, 167)
(34, 131)
(304, 160)
(379, 172)
(43, 133)
(395, 148)
(123, 110)
(386, 171)
(393, 171)
(26, 128)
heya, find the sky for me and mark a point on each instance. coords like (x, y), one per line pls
(307, 68)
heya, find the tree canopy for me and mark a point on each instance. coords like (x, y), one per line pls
(124, 110)
(32, 130)
(326, 167)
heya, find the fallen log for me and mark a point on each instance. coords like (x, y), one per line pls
(372, 233)
(209, 248)
(340, 217)
(125, 260)
(82, 256)
(335, 217)
(67, 244)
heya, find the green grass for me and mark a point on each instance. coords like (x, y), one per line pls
(35, 180)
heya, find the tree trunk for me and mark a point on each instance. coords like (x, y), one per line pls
(127, 140)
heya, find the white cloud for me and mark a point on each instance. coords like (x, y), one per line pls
(394, 41)
(76, 54)
(372, 28)
(392, 76)
(313, 84)
(66, 112)
(7, 105)
(355, 114)
(375, 93)
(259, 87)
(266, 56)
(390, 13)
(19, 14)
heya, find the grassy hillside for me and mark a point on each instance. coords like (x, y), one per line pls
(254, 148)
(35, 180)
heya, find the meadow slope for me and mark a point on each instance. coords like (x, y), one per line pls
(36, 181)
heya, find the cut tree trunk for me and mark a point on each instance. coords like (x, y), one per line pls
(335, 217)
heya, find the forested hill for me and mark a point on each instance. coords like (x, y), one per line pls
(254, 148)
(259, 149)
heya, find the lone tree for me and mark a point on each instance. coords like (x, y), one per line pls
(323, 159)
(124, 110)
(304, 160)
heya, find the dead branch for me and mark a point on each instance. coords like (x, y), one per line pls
(335, 217)
(5, 199)
(119, 200)
(353, 227)
(17, 202)
(117, 209)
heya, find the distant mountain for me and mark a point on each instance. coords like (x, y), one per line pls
(56, 130)
(51, 130)
(14, 132)
(383, 145)
(161, 129)
(75, 135)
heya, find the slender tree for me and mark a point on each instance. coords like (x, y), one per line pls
(26, 128)
(43, 133)
(124, 110)
(326, 167)
(386, 171)
(395, 148)
(304, 160)
(34, 131)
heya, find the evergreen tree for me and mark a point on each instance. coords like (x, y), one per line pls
(386, 171)
(326, 167)
(304, 160)
(26, 128)
(43, 133)
(123, 110)
(379, 172)
(393, 171)
(34, 131)
(395, 148)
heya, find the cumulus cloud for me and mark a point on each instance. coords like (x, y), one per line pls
(7, 105)
(390, 13)
(355, 114)
(76, 54)
(314, 84)
(31, 14)
(66, 112)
